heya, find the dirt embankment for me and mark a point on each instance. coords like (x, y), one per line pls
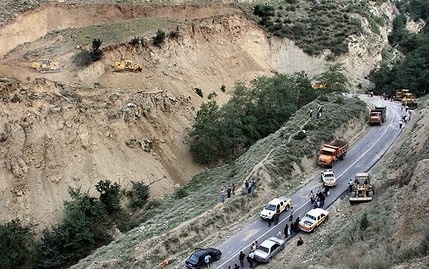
(34, 24)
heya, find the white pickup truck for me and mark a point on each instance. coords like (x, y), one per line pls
(281, 204)
(328, 178)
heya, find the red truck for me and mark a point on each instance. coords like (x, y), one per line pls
(377, 115)
(332, 152)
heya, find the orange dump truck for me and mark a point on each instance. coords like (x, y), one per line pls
(332, 152)
(377, 115)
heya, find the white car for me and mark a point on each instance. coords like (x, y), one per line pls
(312, 219)
(281, 204)
(267, 249)
(328, 178)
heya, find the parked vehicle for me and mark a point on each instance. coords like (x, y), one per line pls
(199, 257)
(329, 153)
(377, 115)
(278, 204)
(312, 219)
(328, 178)
(362, 190)
(267, 249)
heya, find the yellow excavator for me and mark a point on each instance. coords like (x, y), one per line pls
(361, 189)
(127, 66)
(47, 66)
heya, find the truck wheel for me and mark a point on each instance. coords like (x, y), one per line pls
(342, 156)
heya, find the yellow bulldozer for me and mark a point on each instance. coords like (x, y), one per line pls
(47, 66)
(409, 100)
(127, 66)
(361, 189)
(400, 94)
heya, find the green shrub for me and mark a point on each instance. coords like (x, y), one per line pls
(110, 195)
(364, 223)
(96, 53)
(159, 38)
(180, 193)
(82, 58)
(139, 194)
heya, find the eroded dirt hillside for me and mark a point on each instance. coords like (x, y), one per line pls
(60, 130)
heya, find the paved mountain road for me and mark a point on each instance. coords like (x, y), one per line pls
(360, 158)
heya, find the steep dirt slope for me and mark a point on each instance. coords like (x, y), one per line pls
(58, 134)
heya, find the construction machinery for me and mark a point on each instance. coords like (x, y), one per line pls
(127, 66)
(410, 100)
(47, 66)
(361, 189)
(320, 85)
(400, 94)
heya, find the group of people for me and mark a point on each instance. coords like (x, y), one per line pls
(406, 117)
(318, 199)
(249, 186)
(230, 191)
(250, 258)
(319, 111)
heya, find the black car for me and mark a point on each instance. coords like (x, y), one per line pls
(203, 257)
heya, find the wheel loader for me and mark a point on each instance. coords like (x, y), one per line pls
(361, 189)
(127, 66)
(46, 66)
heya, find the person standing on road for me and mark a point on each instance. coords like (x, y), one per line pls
(286, 230)
(291, 214)
(236, 266)
(269, 220)
(241, 258)
(312, 196)
(276, 217)
(250, 259)
(351, 183)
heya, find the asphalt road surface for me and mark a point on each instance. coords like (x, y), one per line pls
(360, 158)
